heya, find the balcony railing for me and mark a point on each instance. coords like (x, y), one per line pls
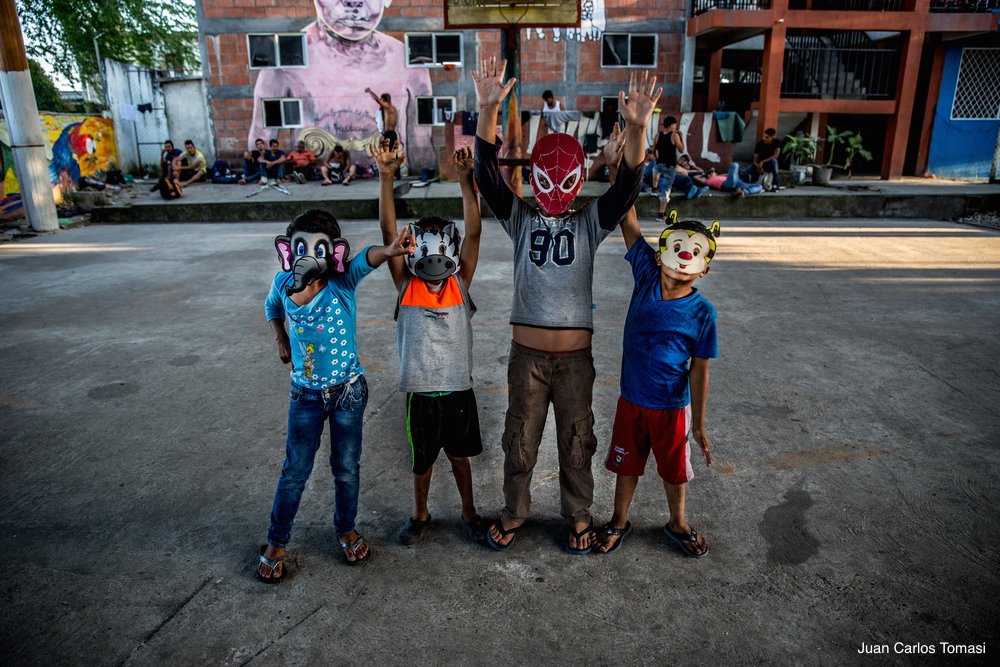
(830, 73)
(965, 6)
(702, 6)
(852, 5)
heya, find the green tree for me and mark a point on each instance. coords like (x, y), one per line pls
(46, 94)
(144, 32)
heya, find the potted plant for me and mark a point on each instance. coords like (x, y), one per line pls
(801, 150)
(853, 149)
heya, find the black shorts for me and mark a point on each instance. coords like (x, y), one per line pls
(449, 422)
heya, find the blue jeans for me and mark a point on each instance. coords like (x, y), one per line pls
(251, 170)
(344, 407)
(276, 171)
(667, 175)
(772, 167)
(733, 181)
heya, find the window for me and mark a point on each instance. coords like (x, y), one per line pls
(977, 92)
(277, 50)
(610, 115)
(282, 113)
(626, 50)
(434, 110)
(434, 50)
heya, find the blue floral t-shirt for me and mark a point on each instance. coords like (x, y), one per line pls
(661, 337)
(322, 332)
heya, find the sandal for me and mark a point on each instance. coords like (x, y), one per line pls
(413, 530)
(353, 548)
(273, 564)
(687, 543)
(621, 533)
(474, 529)
(504, 532)
(572, 533)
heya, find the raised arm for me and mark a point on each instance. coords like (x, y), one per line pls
(388, 158)
(636, 110)
(380, 254)
(613, 151)
(378, 100)
(464, 165)
(490, 91)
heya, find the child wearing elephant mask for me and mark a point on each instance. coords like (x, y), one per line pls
(311, 310)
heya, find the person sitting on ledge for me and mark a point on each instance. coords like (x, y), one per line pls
(339, 167)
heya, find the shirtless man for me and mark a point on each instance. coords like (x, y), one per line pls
(345, 54)
(389, 116)
(554, 247)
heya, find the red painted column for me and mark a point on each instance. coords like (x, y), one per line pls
(898, 129)
(930, 108)
(770, 79)
(714, 79)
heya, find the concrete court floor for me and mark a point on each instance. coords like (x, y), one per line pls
(854, 415)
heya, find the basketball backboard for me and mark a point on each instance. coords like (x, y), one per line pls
(466, 14)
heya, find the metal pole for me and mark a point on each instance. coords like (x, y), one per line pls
(21, 110)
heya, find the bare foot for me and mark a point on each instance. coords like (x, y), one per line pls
(352, 555)
(586, 540)
(499, 538)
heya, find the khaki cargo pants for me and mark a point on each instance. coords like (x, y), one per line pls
(534, 380)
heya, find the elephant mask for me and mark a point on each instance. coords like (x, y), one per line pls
(311, 256)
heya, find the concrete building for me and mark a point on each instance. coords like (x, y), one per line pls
(881, 67)
(298, 69)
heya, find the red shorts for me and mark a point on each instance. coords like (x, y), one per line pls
(638, 430)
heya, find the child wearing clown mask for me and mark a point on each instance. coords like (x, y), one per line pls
(670, 335)
(315, 293)
(434, 340)
(554, 248)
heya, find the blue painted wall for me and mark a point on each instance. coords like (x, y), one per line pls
(959, 148)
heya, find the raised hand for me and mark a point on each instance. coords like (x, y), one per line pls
(614, 149)
(388, 158)
(642, 98)
(490, 88)
(403, 245)
(464, 163)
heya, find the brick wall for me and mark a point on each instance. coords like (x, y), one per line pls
(545, 62)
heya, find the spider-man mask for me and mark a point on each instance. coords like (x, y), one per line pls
(556, 172)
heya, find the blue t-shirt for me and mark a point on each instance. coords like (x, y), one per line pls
(322, 332)
(661, 337)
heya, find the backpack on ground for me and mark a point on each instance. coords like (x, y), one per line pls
(169, 189)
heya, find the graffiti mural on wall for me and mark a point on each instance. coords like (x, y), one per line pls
(593, 20)
(76, 146)
(345, 55)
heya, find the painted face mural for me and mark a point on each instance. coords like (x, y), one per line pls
(688, 246)
(436, 255)
(311, 256)
(351, 19)
(325, 92)
(556, 172)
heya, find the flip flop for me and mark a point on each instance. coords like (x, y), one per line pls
(496, 546)
(580, 552)
(273, 564)
(358, 560)
(680, 540)
(474, 530)
(621, 533)
(413, 530)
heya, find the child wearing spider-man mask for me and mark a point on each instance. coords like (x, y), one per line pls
(554, 248)
(311, 311)
(434, 340)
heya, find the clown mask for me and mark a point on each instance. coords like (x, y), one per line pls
(556, 172)
(311, 256)
(687, 246)
(436, 251)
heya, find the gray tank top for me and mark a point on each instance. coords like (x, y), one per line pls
(434, 336)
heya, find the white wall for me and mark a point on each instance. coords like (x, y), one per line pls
(139, 135)
(186, 103)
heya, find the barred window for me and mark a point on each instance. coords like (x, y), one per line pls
(977, 94)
